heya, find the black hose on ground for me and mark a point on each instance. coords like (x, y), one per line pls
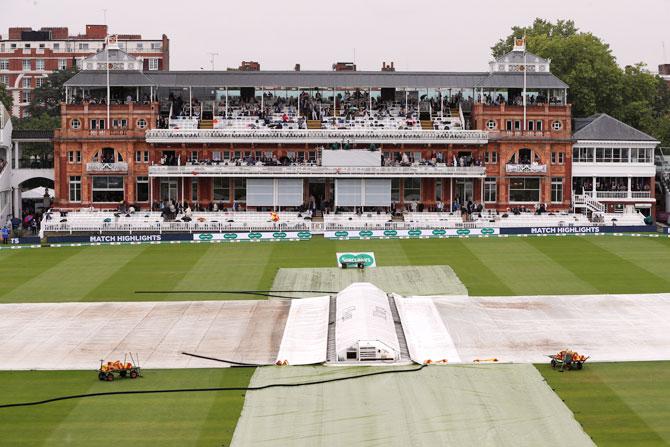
(265, 293)
(200, 390)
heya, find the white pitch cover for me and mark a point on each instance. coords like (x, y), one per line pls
(425, 332)
(305, 339)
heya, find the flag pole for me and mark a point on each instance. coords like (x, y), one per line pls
(525, 124)
(107, 68)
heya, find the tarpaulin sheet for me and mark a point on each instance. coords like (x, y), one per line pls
(459, 405)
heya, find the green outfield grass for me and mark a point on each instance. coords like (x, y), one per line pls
(184, 419)
(491, 266)
(618, 404)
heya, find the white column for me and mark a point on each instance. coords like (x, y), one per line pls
(17, 149)
(629, 195)
(17, 202)
(190, 103)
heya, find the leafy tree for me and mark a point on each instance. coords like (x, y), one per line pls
(43, 121)
(47, 98)
(597, 83)
(6, 98)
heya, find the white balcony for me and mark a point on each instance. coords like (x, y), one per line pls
(360, 136)
(307, 171)
(581, 169)
(97, 167)
(619, 195)
(525, 169)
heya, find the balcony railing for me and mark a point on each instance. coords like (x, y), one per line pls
(25, 163)
(316, 171)
(315, 136)
(604, 195)
(98, 167)
(525, 169)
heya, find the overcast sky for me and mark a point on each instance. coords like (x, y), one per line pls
(416, 34)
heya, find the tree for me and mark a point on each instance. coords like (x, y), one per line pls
(6, 98)
(562, 28)
(47, 98)
(596, 82)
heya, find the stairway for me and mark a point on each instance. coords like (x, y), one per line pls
(589, 203)
(206, 124)
(331, 355)
(404, 350)
(426, 124)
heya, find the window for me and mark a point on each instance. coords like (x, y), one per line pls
(4, 79)
(119, 123)
(486, 157)
(508, 125)
(142, 156)
(4, 64)
(216, 156)
(538, 125)
(153, 63)
(194, 190)
(221, 189)
(556, 125)
(531, 125)
(611, 155)
(491, 124)
(582, 155)
(494, 157)
(557, 158)
(395, 190)
(25, 96)
(74, 157)
(194, 156)
(490, 190)
(142, 189)
(26, 65)
(524, 190)
(39, 82)
(62, 64)
(517, 125)
(561, 158)
(83, 46)
(75, 189)
(640, 155)
(56, 46)
(107, 189)
(241, 189)
(412, 189)
(557, 189)
(75, 124)
(39, 64)
(141, 123)
(140, 46)
(155, 45)
(25, 83)
(97, 124)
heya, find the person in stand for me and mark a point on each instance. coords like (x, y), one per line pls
(5, 235)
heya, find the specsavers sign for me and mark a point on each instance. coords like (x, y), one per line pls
(367, 258)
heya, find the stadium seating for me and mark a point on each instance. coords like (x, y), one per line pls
(352, 221)
(142, 221)
(510, 220)
(433, 220)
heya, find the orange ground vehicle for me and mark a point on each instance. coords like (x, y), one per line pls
(124, 369)
(568, 359)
